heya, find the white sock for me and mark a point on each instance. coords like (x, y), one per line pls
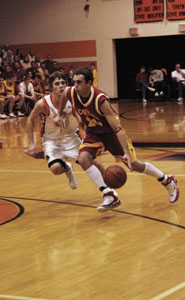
(153, 171)
(96, 176)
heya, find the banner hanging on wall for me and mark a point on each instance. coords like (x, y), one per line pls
(175, 9)
(148, 10)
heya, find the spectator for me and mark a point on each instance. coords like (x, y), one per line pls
(156, 79)
(30, 76)
(61, 70)
(70, 77)
(12, 93)
(55, 66)
(2, 98)
(45, 85)
(33, 68)
(18, 71)
(27, 93)
(37, 61)
(19, 54)
(142, 82)
(95, 74)
(7, 70)
(26, 63)
(10, 56)
(43, 72)
(37, 87)
(31, 55)
(49, 63)
(178, 76)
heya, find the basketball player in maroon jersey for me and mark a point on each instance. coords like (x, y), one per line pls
(103, 132)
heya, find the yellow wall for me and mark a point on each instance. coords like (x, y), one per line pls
(51, 21)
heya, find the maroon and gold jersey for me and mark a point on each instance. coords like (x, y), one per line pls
(11, 89)
(93, 119)
(3, 90)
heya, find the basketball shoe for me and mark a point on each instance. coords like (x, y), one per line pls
(111, 200)
(72, 181)
(173, 190)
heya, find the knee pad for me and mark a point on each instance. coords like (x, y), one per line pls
(62, 162)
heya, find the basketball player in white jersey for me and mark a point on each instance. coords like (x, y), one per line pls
(57, 145)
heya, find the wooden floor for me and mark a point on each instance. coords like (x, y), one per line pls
(56, 246)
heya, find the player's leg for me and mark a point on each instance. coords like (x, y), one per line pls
(56, 164)
(59, 166)
(11, 102)
(2, 105)
(21, 102)
(94, 170)
(168, 181)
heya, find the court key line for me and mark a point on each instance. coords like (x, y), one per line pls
(20, 298)
(170, 291)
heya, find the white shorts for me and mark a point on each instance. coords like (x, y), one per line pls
(67, 148)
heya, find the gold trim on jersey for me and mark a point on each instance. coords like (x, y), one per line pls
(99, 145)
(90, 98)
(97, 105)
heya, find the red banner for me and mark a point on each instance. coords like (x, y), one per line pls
(148, 10)
(175, 9)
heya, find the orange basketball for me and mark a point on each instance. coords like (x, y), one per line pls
(115, 176)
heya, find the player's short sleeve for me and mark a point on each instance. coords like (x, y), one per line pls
(102, 98)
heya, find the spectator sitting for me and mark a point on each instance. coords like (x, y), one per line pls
(12, 94)
(61, 70)
(49, 63)
(55, 66)
(33, 68)
(156, 80)
(43, 72)
(70, 77)
(27, 93)
(142, 82)
(10, 56)
(37, 61)
(3, 95)
(37, 87)
(31, 55)
(45, 85)
(178, 76)
(18, 71)
(7, 70)
(26, 63)
(19, 54)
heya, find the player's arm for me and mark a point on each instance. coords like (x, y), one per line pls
(37, 110)
(109, 115)
(59, 120)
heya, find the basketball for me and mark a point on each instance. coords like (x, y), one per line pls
(115, 176)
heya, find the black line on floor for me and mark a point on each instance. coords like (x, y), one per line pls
(91, 206)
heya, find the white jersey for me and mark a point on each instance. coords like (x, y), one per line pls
(178, 75)
(49, 129)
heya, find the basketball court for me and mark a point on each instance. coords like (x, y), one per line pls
(56, 246)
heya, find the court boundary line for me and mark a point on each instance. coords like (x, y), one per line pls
(95, 207)
(20, 297)
(169, 292)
